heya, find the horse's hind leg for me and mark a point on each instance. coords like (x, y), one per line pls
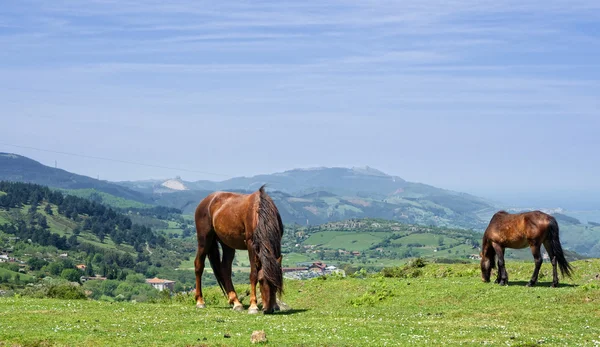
(553, 261)
(205, 238)
(537, 256)
(503, 275)
(228, 255)
(199, 269)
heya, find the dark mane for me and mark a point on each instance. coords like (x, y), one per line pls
(267, 240)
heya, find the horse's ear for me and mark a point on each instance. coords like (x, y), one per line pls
(481, 254)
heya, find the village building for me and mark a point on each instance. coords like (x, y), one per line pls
(89, 278)
(161, 284)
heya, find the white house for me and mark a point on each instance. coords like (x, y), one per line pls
(161, 284)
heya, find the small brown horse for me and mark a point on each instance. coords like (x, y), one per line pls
(520, 230)
(241, 221)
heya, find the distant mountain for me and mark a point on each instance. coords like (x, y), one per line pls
(320, 195)
(17, 168)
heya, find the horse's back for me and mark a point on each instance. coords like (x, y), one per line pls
(228, 214)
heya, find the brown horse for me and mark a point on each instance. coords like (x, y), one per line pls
(241, 221)
(520, 230)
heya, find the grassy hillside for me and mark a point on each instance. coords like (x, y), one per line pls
(106, 198)
(42, 225)
(442, 305)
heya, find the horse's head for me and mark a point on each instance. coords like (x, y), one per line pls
(487, 263)
(268, 293)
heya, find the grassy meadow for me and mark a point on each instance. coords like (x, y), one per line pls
(433, 305)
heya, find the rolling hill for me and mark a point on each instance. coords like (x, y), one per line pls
(18, 168)
(320, 195)
(304, 197)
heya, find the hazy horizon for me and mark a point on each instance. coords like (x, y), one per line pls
(498, 100)
(570, 200)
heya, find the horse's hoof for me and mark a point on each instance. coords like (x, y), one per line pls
(530, 284)
(238, 308)
(200, 306)
(253, 310)
(554, 285)
(271, 311)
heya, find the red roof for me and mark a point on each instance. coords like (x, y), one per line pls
(319, 264)
(157, 280)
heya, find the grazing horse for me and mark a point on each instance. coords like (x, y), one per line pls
(241, 221)
(520, 230)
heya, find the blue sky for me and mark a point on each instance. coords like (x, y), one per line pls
(498, 99)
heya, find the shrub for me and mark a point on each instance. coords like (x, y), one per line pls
(66, 291)
(378, 291)
(410, 270)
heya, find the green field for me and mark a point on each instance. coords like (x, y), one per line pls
(425, 239)
(350, 241)
(22, 276)
(444, 305)
(173, 228)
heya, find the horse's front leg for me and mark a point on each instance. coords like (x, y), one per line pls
(253, 309)
(537, 256)
(228, 255)
(276, 304)
(503, 275)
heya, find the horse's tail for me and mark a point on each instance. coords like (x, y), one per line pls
(214, 257)
(267, 240)
(556, 248)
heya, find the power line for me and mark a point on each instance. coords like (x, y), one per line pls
(114, 160)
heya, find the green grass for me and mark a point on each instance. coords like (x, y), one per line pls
(291, 259)
(447, 305)
(58, 224)
(24, 277)
(345, 240)
(173, 228)
(431, 240)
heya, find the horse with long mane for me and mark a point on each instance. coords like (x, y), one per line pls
(247, 222)
(517, 231)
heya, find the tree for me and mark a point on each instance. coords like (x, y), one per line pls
(48, 210)
(89, 269)
(54, 268)
(36, 263)
(77, 230)
(71, 275)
